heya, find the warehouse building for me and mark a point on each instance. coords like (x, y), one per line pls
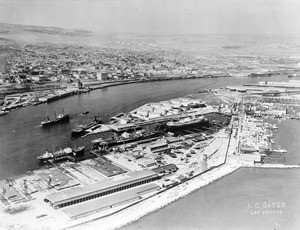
(109, 202)
(102, 188)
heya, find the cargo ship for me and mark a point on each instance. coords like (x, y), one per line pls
(81, 129)
(268, 74)
(185, 122)
(54, 155)
(62, 153)
(124, 138)
(60, 118)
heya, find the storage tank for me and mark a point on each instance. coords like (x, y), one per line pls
(150, 108)
(185, 103)
(155, 105)
(166, 103)
(143, 110)
(154, 115)
(177, 104)
(175, 101)
(144, 113)
(196, 101)
(184, 98)
(162, 111)
(168, 108)
(177, 110)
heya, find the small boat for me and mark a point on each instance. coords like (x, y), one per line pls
(272, 141)
(279, 150)
(85, 113)
(2, 113)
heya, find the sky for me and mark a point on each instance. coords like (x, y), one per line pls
(158, 16)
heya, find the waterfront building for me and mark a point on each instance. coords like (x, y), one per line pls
(102, 76)
(40, 78)
(109, 202)
(102, 188)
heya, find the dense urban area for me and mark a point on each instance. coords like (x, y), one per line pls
(44, 72)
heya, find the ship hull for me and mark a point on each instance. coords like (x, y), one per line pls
(186, 126)
(82, 131)
(111, 143)
(66, 118)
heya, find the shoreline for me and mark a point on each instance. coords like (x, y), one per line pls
(95, 86)
(157, 201)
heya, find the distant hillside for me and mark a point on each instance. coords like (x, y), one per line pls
(28, 34)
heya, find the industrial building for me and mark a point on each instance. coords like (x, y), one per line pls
(102, 188)
(109, 202)
(102, 76)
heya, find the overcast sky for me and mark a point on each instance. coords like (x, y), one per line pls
(158, 16)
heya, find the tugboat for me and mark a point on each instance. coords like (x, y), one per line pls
(60, 118)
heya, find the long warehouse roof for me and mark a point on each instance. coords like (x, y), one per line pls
(102, 202)
(69, 194)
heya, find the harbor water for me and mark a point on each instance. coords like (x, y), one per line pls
(22, 138)
(250, 198)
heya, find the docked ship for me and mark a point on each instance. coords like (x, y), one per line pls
(60, 118)
(62, 153)
(278, 151)
(185, 122)
(78, 130)
(55, 155)
(268, 74)
(123, 138)
(81, 129)
(78, 152)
